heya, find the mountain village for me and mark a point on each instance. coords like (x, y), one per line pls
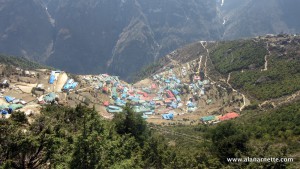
(177, 95)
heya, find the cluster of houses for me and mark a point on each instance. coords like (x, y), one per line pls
(69, 85)
(12, 105)
(26, 72)
(47, 99)
(162, 96)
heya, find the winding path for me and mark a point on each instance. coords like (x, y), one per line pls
(282, 100)
(245, 100)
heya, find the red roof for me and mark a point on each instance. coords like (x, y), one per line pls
(106, 103)
(105, 89)
(229, 116)
(146, 98)
(153, 86)
(170, 94)
(143, 93)
(169, 100)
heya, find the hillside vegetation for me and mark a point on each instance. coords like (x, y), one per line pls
(64, 137)
(282, 79)
(237, 55)
(283, 68)
(274, 133)
(245, 60)
(21, 62)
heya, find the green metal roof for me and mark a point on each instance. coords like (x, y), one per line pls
(208, 118)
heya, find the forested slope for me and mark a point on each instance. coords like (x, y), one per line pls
(63, 137)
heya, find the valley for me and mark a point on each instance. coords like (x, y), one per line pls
(192, 103)
(160, 84)
(188, 85)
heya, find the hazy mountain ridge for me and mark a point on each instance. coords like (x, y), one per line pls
(121, 36)
(250, 18)
(104, 34)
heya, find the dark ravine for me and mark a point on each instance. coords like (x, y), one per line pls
(121, 36)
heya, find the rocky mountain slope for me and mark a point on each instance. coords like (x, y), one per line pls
(121, 36)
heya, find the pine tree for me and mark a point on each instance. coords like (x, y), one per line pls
(87, 152)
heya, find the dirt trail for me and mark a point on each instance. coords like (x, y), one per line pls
(206, 58)
(227, 81)
(282, 100)
(245, 100)
(200, 62)
(266, 58)
(204, 44)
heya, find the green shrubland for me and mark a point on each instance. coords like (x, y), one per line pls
(63, 137)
